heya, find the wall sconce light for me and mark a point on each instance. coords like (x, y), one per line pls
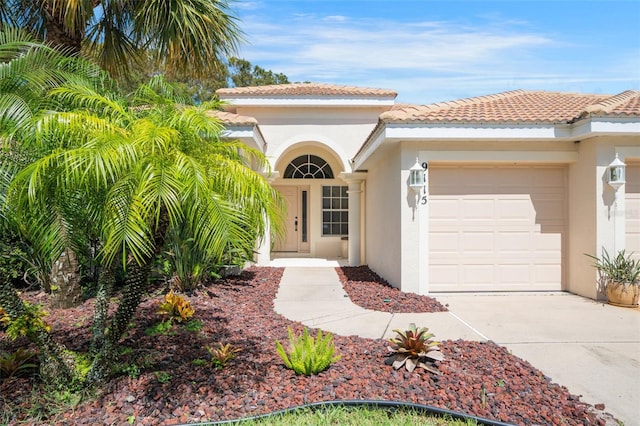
(615, 173)
(417, 176)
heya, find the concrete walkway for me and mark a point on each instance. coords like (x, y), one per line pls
(591, 348)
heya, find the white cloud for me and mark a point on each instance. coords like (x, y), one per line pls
(424, 60)
(247, 5)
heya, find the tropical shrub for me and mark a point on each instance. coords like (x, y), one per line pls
(27, 324)
(12, 258)
(307, 355)
(186, 265)
(222, 354)
(414, 348)
(17, 362)
(175, 307)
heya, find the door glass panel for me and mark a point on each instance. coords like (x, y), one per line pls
(304, 216)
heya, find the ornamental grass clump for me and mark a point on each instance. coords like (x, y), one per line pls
(621, 268)
(307, 355)
(414, 348)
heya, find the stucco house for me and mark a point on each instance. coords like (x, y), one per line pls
(516, 192)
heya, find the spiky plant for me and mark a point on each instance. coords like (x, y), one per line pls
(621, 268)
(308, 355)
(222, 354)
(414, 348)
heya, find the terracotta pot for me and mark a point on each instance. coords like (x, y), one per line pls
(623, 294)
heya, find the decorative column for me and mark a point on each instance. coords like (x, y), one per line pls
(263, 246)
(354, 180)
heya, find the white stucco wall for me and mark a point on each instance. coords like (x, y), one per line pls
(341, 130)
(595, 221)
(384, 202)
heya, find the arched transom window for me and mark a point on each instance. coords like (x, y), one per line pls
(308, 167)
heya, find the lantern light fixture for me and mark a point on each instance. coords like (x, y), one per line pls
(417, 176)
(615, 173)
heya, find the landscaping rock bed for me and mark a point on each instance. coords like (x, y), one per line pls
(160, 383)
(368, 290)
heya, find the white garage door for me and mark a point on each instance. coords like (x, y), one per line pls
(632, 209)
(496, 228)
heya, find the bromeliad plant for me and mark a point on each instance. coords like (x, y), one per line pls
(16, 362)
(307, 355)
(222, 354)
(414, 348)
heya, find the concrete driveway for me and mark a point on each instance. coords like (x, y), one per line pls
(591, 348)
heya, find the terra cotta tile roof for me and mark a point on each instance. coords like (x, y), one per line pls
(305, 89)
(519, 106)
(229, 118)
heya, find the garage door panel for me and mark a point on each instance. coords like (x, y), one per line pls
(514, 209)
(476, 242)
(517, 274)
(444, 211)
(549, 210)
(446, 242)
(496, 228)
(549, 274)
(513, 243)
(482, 274)
(476, 209)
(445, 274)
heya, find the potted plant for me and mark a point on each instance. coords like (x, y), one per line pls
(620, 276)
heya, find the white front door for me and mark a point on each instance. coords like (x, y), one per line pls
(289, 242)
(296, 238)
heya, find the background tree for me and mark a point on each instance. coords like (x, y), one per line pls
(243, 74)
(189, 37)
(236, 72)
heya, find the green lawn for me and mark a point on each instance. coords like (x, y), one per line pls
(360, 416)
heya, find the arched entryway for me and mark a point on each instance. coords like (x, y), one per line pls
(317, 202)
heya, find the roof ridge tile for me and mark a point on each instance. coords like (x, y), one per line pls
(306, 89)
(609, 104)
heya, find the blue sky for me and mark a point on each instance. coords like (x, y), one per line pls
(439, 50)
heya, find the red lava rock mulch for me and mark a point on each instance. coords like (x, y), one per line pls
(159, 382)
(368, 290)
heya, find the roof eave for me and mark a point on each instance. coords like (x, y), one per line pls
(310, 101)
(246, 133)
(392, 132)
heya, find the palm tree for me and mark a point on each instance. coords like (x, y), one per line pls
(28, 70)
(188, 36)
(146, 168)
